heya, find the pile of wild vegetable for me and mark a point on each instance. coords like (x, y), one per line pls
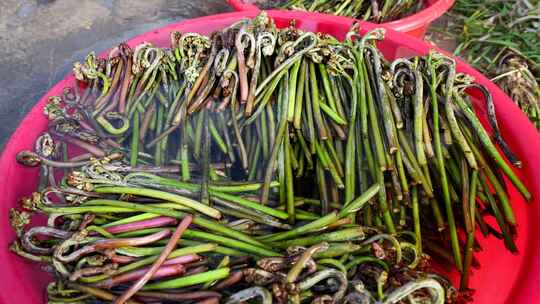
(377, 11)
(501, 38)
(263, 162)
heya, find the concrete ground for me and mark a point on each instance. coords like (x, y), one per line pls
(40, 40)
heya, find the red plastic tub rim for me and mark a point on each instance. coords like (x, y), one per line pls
(415, 24)
(502, 278)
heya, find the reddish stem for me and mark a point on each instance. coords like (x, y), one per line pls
(128, 77)
(91, 271)
(86, 126)
(113, 143)
(198, 269)
(111, 244)
(242, 75)
(119, 259)
(186, 296)
(150, 223)
(100, 103)
(147, 118)
(185, 259)
(163, 271)
(87, 146)
(184, 224)
(232, 279)
(213, 300)
(110, 107)
(82, 157)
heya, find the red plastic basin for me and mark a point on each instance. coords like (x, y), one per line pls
(415, 25)
(502, 278)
